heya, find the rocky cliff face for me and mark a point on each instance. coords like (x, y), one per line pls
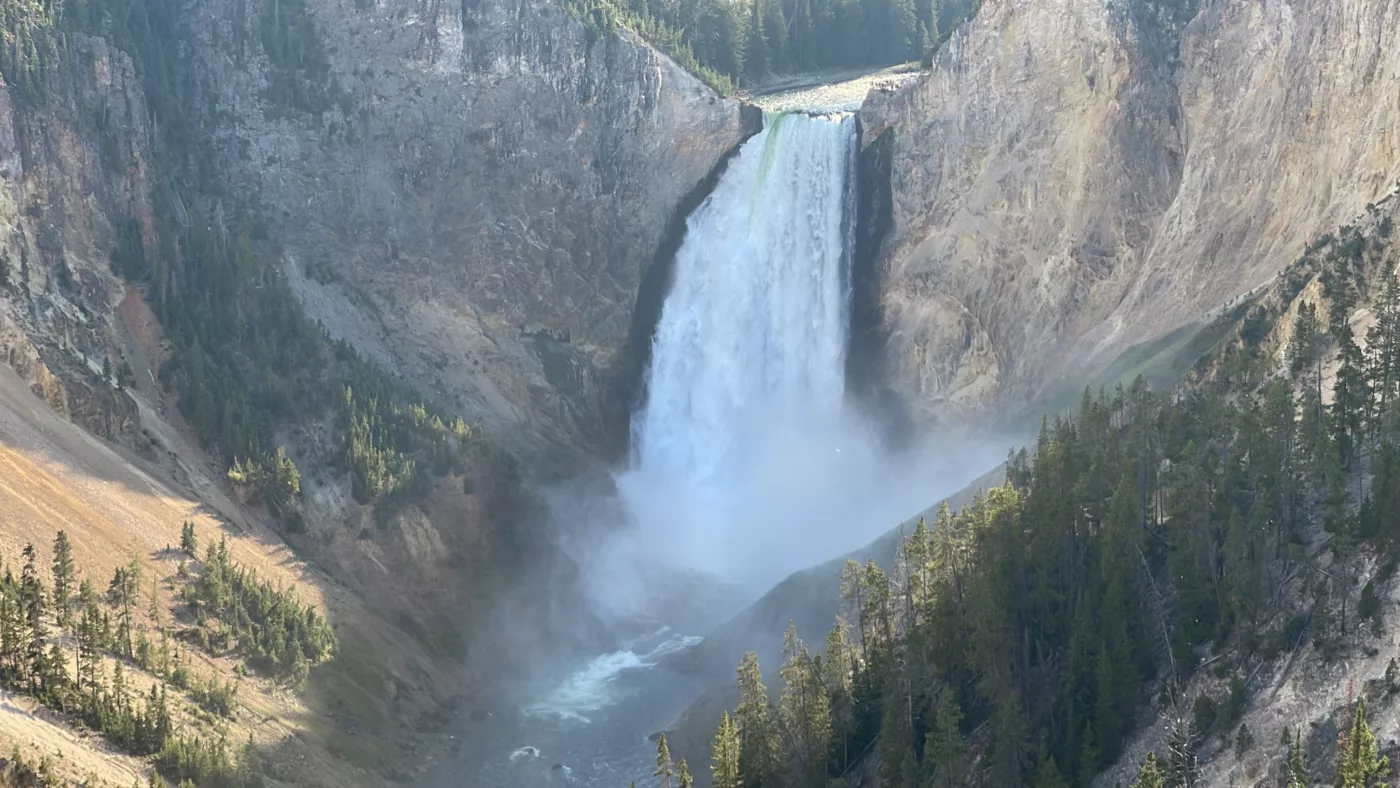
(1075, 177)
(471, 195)
(74, 154)
(476, 195)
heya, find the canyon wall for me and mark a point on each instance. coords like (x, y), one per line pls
(1075, 178)
(475, 193)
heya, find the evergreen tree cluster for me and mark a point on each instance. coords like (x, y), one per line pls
(734, 42)
(29, 44)
(1130, 541)
(210, 763)
(275, 632)
(99, 692)
(384, 436)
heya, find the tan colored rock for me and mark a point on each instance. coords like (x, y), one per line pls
(1075, 177)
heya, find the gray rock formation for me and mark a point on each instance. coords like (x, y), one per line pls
(477, 201)
(1075, 178)
(74, 157)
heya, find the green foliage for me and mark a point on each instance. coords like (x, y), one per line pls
(946, 757)
(29, 45)
(724, 758)
(1370, 604)
(1296, 774)
(1359, 763)
(209, 764)
(300, 76)
(665, 768)
(1149, 776)
(273, 479)
(275, 632)
(189, 542)
(759, 746)
(1233, 708)
(728, 43)
(215, 697)
(1244, 740)
(128, 258)
(63, 575)
(1058, 580)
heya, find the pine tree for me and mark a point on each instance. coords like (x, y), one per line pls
(836, 676)
(1359, 763)
(758, 745)
(947, 759)
(1383, 344)
(724, 759)
(896, 741)
(11, 634)
(1047, 772)
(683, 778)
(188, 542)
(32, 607)
(90, 640)
(1182, 771)
(664, 768)
(1089, 756)
(62, 578)
(1296, 775)
(1149, 776)
(805, 708)
(124, 591)
(853, 596)
(1244, 740)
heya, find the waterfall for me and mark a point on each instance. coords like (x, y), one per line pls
(750, 349)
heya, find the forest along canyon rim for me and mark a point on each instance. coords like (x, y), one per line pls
(744, 437)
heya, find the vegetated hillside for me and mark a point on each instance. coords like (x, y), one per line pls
(247, 640)
(749, 43)
(1074, 177)
(809, 599)
(119, 264)
(1191, 575)
(152, 297)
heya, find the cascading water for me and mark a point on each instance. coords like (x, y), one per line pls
(742, 440)
(756, 321)
(750, 349)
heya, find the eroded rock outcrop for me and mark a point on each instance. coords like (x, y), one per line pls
(1074, 178)
(74, 154)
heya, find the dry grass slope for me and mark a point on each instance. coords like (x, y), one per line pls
(115, 506)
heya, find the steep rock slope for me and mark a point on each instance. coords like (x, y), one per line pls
(474, 208)
(1074, 178)
(73, 177)
(471, 193)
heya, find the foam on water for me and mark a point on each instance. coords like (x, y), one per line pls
(596, 686)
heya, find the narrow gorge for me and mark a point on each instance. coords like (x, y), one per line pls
(560, 352)
(747, 461)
